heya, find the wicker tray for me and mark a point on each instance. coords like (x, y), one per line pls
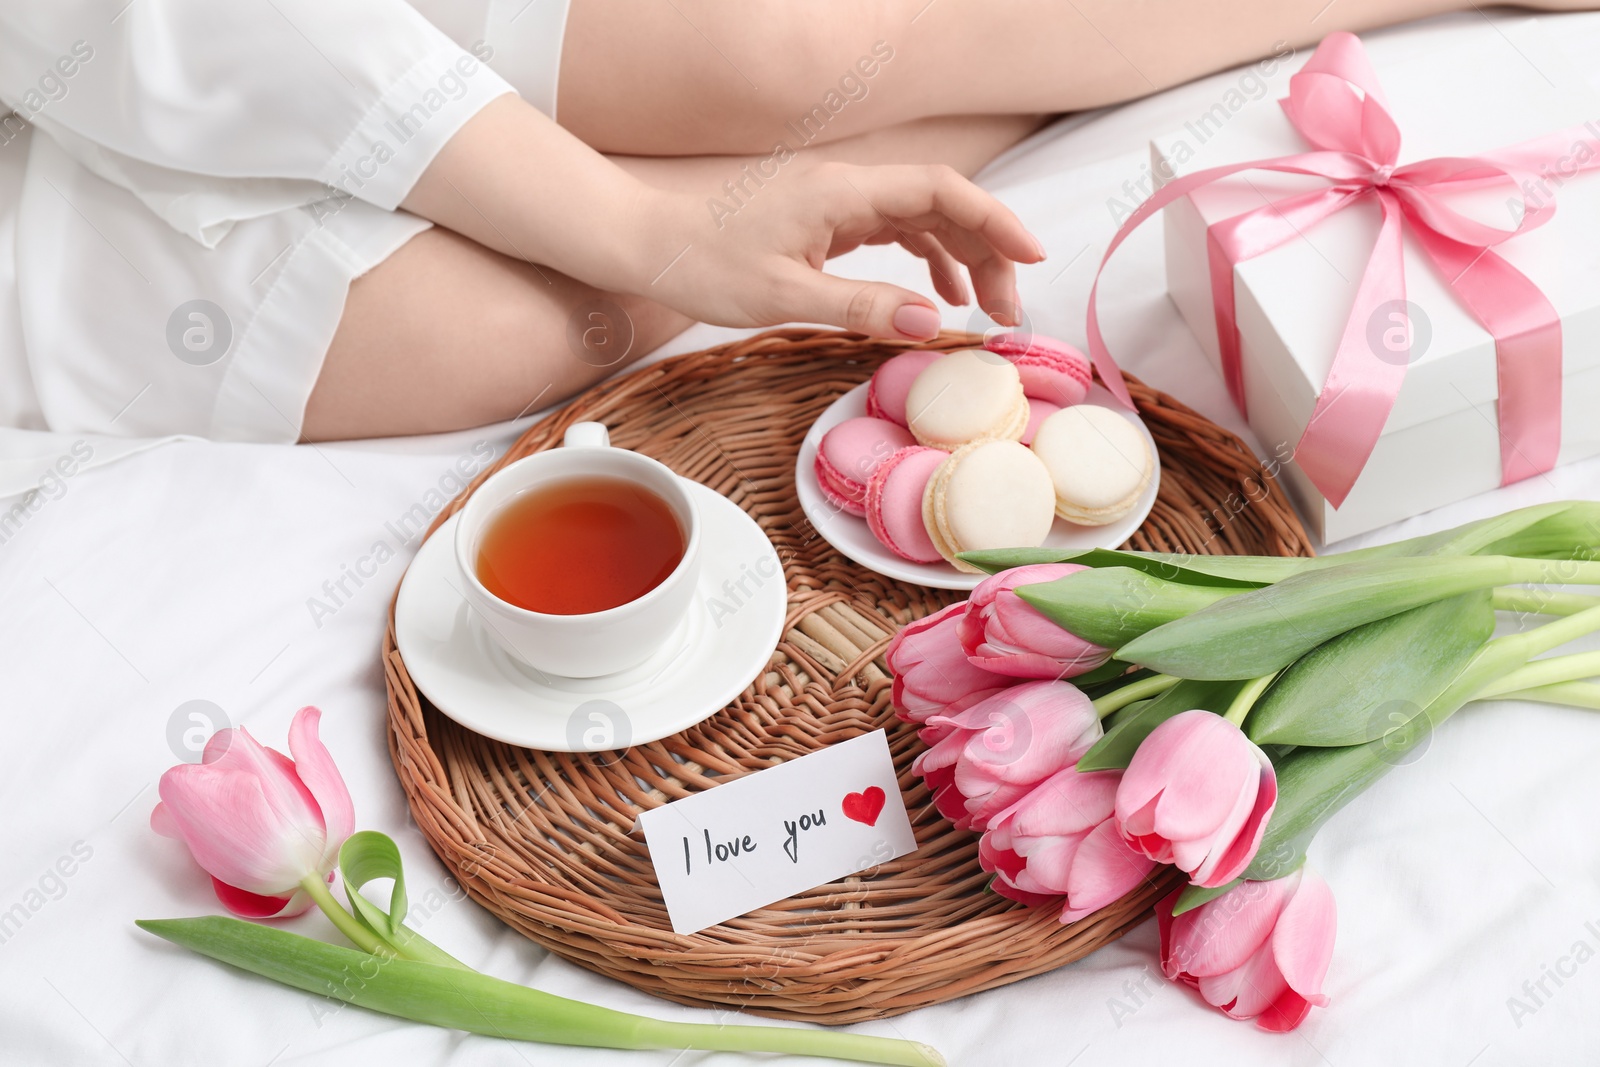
(543, 839)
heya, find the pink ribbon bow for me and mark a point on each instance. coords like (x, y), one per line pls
(1337, 105)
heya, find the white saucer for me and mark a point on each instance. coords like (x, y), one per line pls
(725, 641)
(851, 536)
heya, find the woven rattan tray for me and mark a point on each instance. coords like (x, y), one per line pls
(543, 840)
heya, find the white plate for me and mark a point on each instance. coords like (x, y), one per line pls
(725, 641)
(851, 536)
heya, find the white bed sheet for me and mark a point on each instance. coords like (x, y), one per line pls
(184, 573)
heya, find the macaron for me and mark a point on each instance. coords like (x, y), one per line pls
(967, 396)
(1038, 411)
(891, 384)
(894, 502)
(989, 494)
(848, 455)
(1050, 370)
(1098, 462)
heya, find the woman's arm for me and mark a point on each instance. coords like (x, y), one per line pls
(516, 182)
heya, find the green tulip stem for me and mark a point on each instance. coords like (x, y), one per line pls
(466, 1000)
(348, 924)
(1537, 602)
(1247, 698)
(1517, 649)
(1542, 672)
(1549, 571)
(1117, 699)
(1572, 694)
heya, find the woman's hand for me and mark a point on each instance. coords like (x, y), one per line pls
(762, 265)
(512, 180)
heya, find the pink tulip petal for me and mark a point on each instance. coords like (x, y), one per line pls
(930, 667)
(1005, 634)
(1067, 802)
(1285, 1013)
(1204, 858)
(944, 753)
(1246, 991)
(1164, 928)
(1049, 864)
(1204, 775)
(216, 745)
(161, 822)
(233, 830)
(983, 806)
(1222, 934)
(250, 905)
(1191, 855)
(1247, 841)
(1191, 764)
(1302, 942)
(317, 770)
(1104, 870)
(1014, 621)
(1018, 664)
(1155, 846)
(952, 805)
(1033, 900)
(275, 773)
(1031, 730)
(996, 856)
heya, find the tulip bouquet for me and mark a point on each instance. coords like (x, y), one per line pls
(1220, 709)
(271, 832)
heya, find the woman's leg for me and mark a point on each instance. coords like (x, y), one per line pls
(447, 334)
(693, 77)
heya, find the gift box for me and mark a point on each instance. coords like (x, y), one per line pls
(1443, 439)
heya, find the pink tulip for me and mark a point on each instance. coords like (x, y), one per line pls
(989, 754)
(257, 822)
(1259, 951)
(1198, 795)
(1003, 633)
(930, 670)
(1061, 840)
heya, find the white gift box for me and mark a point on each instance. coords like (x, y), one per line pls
(1479, 91)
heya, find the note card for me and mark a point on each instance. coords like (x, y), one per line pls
(777, 832)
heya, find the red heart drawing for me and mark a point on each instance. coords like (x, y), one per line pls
(865, 805)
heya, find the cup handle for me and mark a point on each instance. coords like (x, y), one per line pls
(586, 435)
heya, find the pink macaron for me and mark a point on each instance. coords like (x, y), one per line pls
(1038, 411)
(1051, 370)
(894, 502)
(891, 384)
(848, 455)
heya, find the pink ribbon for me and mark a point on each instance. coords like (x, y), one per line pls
(1337, 105)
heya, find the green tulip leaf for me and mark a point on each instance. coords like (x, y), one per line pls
(367, 856)
(1115, 750)
(466, 1000)
(1109, 675)
(1261, 631)
(1360, 685)
(1113, 605)
(1170, 566)
(1192, 896)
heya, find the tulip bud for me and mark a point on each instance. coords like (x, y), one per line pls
(931, 672)
(1198, 795)
(1003, 633)
(1061, 840)
(1259, 951)
(991, 753)
(257, 822)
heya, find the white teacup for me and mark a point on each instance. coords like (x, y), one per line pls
(600, 642)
